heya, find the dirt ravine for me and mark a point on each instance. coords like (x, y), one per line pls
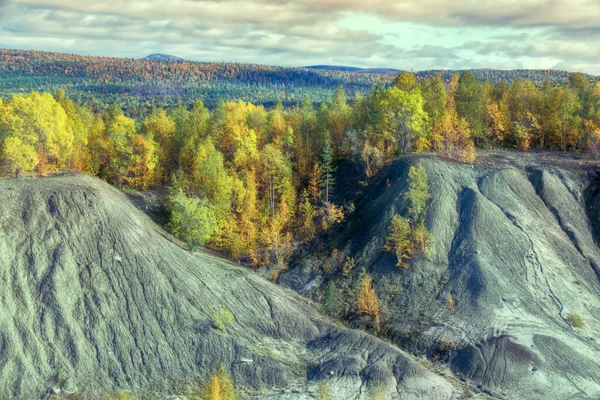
(93, 290)
(515, 248)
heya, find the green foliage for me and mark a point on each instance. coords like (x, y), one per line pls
(422, 240)
(418, 192)
(192, 220)
(576, 320)
(471, 103)
(327, 167)
(221, 318)
(332, 301)
(435, 97)
(399, 240)
(403, 117)
(408, 236)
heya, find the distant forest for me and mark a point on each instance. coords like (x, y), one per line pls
(138, 86)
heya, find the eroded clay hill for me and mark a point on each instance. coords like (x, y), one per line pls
(515, 248)
(90, 287)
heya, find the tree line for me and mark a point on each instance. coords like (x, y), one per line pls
(250, 181)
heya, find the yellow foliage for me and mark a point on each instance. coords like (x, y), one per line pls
(332, 215)
(422, 144)
(450, 304)
(120, 396)
(368, 302)
(220, 386)
(19, 156)
(141, 171)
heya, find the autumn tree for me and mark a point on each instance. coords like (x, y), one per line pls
(422, 239)
(141, 169)
(434, 99)
(405, 81)
(120, 130)
(160, 128)
(38, 120)
(471, 104)
(403, 118)
(417, 193)
(327, 168)
(308, 214)
(191, 128)
(278, 191)
(79, 122)
(220, 386)
(367, 300)
(497, 122)
(453, 138)
(330, 213)
(399, 240)
(209, 177)
(338, 121)
(593, 134)
(18, 156)
(192, 220)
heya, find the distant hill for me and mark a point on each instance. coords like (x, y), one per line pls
(162, 57)
(385, 71)
(137, 85)
(165, 81)
(485, 74)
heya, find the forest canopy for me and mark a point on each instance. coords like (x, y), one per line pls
(250, 180)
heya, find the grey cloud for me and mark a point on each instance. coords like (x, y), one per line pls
(301, 32)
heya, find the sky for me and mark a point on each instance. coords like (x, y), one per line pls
(401, 34)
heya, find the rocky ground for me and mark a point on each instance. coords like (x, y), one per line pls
(96, 298)
(516, 250)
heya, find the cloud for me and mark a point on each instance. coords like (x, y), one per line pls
(405, 34)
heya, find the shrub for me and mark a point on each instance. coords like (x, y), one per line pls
(193, 220)
(423, 240)
(398, 241)
(348, 266)
(418, 192)
(376, 393)
(576, 320)
(445, 348)
(120, 396)
(368, 302)
(324, 391)
(331, 300)
(221, 318)
(219, 387)
(273, 276)
(451, 304)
